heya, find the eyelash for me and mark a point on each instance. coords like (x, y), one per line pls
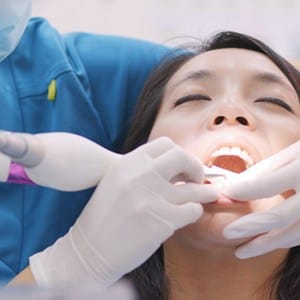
(199, 97)
(276, 101)
(193, 97)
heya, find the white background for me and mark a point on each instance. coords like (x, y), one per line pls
(277, 22)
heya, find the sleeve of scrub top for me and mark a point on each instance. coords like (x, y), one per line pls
(115, 69)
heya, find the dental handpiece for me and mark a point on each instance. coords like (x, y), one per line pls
(59, 160)
(15, 145)
(14, 148)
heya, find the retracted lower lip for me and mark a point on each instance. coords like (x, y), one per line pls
(224, 201)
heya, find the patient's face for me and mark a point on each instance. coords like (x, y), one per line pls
(231, 108)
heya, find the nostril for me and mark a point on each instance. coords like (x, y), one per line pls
(242, 121)
(219, 120)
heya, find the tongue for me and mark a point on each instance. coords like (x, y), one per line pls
(230, 162)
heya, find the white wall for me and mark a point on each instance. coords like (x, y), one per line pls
(277, 22)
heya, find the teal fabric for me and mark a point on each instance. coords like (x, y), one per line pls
(98, 80)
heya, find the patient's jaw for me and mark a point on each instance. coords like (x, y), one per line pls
(231, 108)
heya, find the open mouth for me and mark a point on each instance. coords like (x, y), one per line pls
(234, 159)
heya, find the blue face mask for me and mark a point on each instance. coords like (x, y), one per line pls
(14, 15)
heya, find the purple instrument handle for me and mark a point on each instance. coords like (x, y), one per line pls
(18, 175)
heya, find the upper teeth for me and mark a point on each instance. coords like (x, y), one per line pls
(236, 151)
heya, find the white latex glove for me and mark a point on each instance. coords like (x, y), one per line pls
(122, 290)
(133, 210)
(278, 227)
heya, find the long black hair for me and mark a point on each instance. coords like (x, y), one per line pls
(149, 279)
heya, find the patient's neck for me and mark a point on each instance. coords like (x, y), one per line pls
(216, 273)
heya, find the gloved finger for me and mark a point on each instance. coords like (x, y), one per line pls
(277, 217)
(158, 146)
(278, 181)
(285, 238)
(177, 216)
(177, 162)
(194, 192)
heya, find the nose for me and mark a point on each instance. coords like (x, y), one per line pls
(232, 115)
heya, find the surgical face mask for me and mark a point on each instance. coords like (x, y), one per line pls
(14, 15)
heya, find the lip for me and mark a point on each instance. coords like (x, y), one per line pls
(226, 202)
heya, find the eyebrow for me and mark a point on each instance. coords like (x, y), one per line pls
(264, 77)
(197, 75)
(267, 77)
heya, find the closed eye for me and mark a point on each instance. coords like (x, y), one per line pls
(194, 97)
(276, 101)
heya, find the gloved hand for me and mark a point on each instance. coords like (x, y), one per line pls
(136, 207)
(278, 227)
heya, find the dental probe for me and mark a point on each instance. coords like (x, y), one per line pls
(214, 171)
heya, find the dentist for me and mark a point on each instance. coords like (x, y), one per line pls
(79, 83)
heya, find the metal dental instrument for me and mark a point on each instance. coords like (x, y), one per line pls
(214, 171)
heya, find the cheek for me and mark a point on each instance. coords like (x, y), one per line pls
(288, 137)
(282, 136)
(181, 132)
(159, 130)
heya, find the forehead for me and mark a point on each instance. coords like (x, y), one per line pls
(227, 62)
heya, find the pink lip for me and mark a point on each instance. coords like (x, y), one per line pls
(226, 202)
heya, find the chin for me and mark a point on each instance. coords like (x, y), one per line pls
(207, 233)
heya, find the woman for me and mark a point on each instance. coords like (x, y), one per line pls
(231, 102)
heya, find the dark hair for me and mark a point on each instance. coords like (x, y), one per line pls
(149, 279)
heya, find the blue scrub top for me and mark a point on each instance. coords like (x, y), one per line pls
(81, 83)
